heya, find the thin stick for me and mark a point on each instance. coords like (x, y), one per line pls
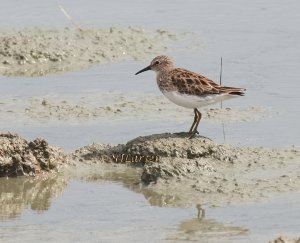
(223, 126)
(69, 17)
(221, 70)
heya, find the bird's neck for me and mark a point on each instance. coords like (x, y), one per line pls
(163, 72)
(162, 80)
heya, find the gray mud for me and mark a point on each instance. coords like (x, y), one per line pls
(191, 171)
(41, 51)
(172, 169)
(20, 157)
(117, 106)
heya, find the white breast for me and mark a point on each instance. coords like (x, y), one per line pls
(193, 101)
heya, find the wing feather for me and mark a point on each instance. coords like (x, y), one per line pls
(195, 84)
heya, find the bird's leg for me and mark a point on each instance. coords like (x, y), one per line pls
(198, 115)
(194, 122)
(198, 121)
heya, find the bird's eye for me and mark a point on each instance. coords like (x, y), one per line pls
(156, 63)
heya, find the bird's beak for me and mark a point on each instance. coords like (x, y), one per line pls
(144, 69)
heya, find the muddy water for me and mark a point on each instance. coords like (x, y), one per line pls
(259, 42)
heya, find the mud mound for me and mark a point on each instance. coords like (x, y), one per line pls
(177, 145)
(179, 155)
(40, 51)
(19, 157)
(282, 239)
(201, 171)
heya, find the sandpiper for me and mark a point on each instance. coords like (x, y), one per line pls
(188, 89)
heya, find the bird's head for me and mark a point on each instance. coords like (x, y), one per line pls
(159, 64)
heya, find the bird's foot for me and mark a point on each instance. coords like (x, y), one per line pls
(193, 134)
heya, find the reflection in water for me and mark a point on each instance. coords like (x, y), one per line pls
(198, 229)
(16, 194)
(201, 211)
(158, 199)
(130, 178)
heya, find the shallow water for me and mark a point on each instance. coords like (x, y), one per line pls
(107, 212)
(92, 212)
(259, 43)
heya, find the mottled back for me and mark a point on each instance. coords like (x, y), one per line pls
(185, 81)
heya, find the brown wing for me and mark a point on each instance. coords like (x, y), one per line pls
(195, 84)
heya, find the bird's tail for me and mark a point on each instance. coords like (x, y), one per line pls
(233, 91)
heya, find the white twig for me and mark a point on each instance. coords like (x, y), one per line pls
(69, 17)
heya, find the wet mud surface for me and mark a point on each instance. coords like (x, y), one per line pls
(117, 106)
(41, 51)
(191, 171)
